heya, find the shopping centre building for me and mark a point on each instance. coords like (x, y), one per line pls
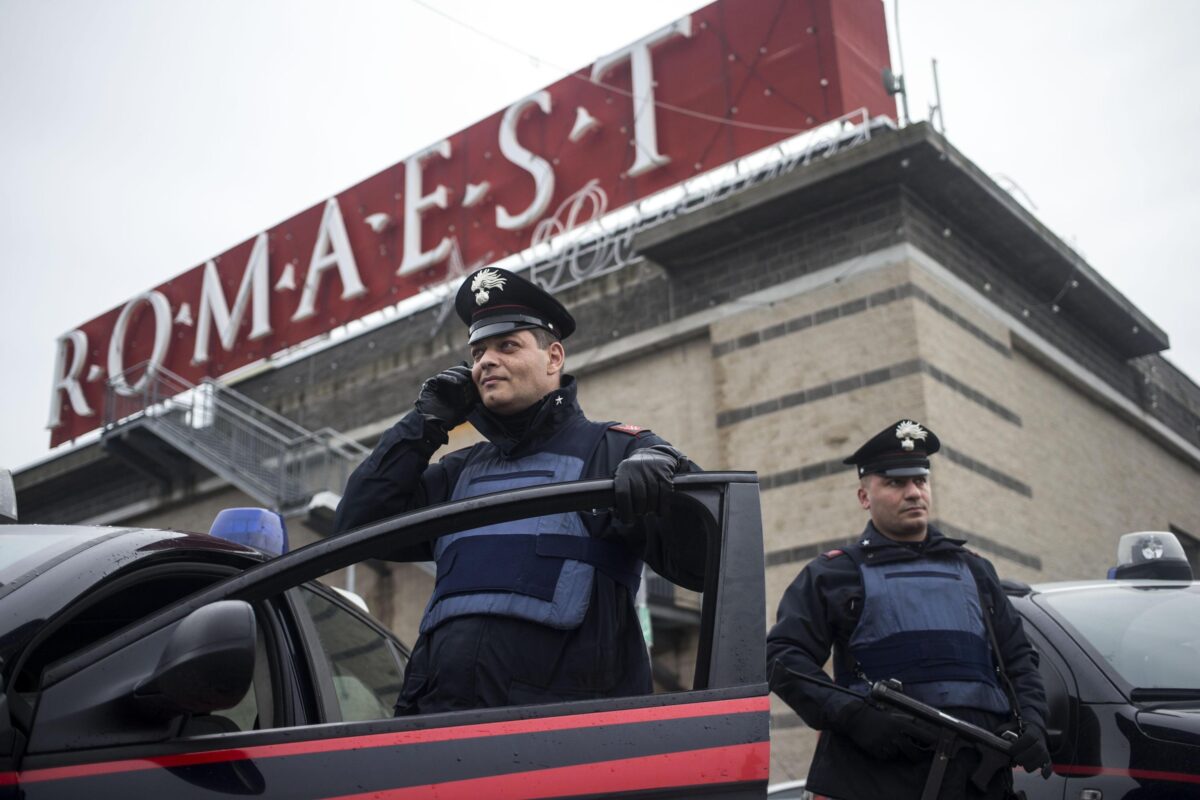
(769, 318)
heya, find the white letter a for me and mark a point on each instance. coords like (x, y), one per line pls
(331, 250)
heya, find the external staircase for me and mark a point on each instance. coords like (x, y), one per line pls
(160, 417)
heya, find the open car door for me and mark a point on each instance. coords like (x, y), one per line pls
(111, 720)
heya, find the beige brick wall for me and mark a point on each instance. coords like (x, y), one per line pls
(1093, 473)
(196, 514)
(669, 391)
(962, 497)
(813, 511)
(1095, 477)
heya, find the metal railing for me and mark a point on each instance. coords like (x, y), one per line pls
(266, 455)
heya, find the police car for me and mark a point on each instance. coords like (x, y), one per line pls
(147, 663)
(1121, 662)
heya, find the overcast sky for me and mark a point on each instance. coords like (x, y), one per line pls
(139, 138)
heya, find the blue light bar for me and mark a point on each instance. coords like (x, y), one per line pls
(254, 527)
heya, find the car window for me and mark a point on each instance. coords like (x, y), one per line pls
(1147, 634)
(106, 611)
(366, 669)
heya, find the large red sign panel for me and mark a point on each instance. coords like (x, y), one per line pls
(729, 79)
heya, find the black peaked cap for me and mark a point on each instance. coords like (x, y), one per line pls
(492, 301)
(901, 449)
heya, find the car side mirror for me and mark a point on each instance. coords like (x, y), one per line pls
(207, 664)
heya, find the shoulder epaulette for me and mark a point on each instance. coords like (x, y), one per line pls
(632, 430)
(833, 554)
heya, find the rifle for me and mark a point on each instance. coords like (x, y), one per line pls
(995, 752)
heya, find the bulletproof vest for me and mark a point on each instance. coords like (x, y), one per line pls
(922, 624)
(538, 569)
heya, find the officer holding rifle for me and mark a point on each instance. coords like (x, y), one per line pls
(903, 603)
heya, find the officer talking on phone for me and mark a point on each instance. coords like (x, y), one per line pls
(538, 610)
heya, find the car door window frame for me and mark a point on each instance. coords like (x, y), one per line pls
(1052, 661)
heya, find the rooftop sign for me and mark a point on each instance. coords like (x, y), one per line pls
(730, 79)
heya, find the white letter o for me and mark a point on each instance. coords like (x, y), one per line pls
(162, 340)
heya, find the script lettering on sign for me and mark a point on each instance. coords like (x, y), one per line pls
(728, 80)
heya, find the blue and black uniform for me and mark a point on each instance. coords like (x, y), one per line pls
(533, 610)
(914, 612)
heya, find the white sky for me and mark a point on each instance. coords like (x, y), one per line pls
(139, 138)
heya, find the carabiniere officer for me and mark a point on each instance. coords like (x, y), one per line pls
(529, 611)
(904, 602)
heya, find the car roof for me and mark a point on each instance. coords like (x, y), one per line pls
(50, 566)
(98, 549)
(1105, 585)
(1018, 589)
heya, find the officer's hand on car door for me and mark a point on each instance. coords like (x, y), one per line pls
(643, 483)
(448, 397)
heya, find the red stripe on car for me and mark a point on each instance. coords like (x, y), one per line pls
(1142, 774)
(595, 720)
(711, 766)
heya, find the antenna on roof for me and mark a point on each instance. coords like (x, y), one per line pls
(935, 108)
(893, 84)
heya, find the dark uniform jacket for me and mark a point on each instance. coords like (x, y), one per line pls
(819, 612)
(477, 661)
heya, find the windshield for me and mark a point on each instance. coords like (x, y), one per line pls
(1148, 634)
(24, 548)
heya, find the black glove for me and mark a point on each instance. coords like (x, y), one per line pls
(885, 734)
(1029, 750)
(448, 397)
(643, 482)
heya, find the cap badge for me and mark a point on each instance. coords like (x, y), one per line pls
(907, 431)
(484, 280)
